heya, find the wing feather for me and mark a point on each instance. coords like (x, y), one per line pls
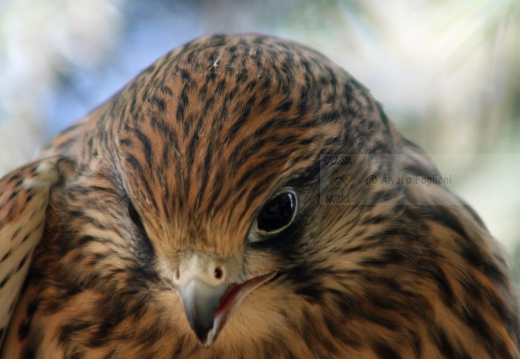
(24, 197)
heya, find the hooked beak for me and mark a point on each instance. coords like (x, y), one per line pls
(209, 306)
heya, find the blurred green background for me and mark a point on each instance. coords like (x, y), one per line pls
(447, 72)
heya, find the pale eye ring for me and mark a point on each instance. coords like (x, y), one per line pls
(277, 213)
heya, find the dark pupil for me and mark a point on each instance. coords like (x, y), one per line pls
(277, 213)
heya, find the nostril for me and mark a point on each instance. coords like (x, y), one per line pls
(177, 274)
(218, 273)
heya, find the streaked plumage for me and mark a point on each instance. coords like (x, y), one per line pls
(183, 219)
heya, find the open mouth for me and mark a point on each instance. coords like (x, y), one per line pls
(234, 295)
(209, 307)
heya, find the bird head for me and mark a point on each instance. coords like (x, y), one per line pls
(219, 150)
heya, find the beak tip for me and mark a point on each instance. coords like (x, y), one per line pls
(203, 334)
(202, 339)
(200, 303)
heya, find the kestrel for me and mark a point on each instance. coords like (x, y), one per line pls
(238, 199)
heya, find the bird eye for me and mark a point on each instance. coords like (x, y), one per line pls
(277, 214)
(134, 216)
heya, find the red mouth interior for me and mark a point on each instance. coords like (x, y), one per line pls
(228, 297)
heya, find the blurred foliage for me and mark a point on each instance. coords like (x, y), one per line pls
(40, 41)
(495, 26)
